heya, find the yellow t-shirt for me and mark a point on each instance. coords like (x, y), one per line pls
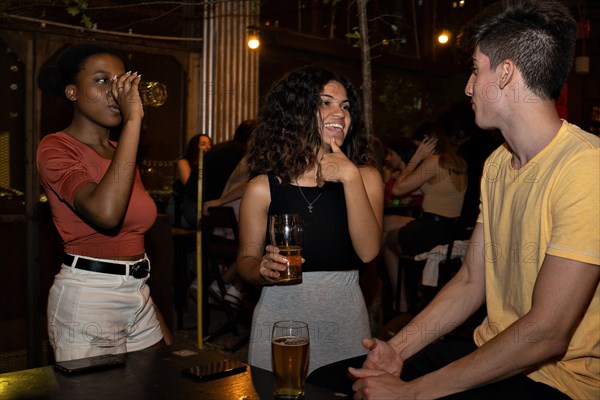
(549, 206)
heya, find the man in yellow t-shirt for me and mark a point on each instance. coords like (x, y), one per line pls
(534, 255)
(541, 216)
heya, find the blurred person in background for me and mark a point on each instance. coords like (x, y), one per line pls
(183, 169)
(441, 175)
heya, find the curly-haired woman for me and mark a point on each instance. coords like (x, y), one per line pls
(310, 155)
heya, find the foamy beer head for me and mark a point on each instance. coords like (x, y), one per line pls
(290, 351)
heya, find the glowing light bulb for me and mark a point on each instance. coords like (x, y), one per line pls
(444, 36)
(253, 42)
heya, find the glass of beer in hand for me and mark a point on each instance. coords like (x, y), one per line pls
(289, 354)
(286, 231)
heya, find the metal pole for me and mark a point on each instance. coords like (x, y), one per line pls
(199, 298)
(203, 95)
(206, 109)
(210, 43)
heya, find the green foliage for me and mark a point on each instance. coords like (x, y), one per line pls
(354, 35)
(86, 21)
(72, 7)
(404, 103)
(76, 7)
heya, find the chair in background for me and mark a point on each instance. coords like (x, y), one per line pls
(410, 270)
(219, 247)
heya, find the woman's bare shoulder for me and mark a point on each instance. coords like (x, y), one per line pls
(258, 184)
(262, 178)
(370, 172)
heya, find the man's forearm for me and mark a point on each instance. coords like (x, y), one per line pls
(456, 302)
(563, 291)
(511, 352)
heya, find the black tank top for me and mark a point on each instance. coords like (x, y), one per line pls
(327, 244)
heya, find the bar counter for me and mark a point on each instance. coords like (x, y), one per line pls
(148, 374)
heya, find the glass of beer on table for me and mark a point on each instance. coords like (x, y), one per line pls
(285, 231)
(289, 354)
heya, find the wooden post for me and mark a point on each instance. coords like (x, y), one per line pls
(365, 51)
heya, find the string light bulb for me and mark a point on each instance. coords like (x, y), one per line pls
(253, 39)
(444, 36)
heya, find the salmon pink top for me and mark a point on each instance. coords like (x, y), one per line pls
(65, 164)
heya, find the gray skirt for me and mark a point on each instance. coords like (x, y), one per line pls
(330, 302)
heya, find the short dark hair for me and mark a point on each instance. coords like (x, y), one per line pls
(537, 35)
(54, 78)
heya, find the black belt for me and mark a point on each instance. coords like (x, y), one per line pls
(438, 218)
(138, 270)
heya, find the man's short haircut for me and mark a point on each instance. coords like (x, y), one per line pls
(537, 35)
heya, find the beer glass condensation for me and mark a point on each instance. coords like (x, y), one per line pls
(286, 232)
(290, 355)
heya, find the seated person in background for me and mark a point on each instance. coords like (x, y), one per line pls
(219, 164)
(231, 197)
(183, 170)
(441, 175)
(534, 254)
(397, 155)
(221, 173)
(189, 161)
(233, 191)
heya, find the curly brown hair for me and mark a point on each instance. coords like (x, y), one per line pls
(287, 137)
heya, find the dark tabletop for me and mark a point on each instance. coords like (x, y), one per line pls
(151, 374)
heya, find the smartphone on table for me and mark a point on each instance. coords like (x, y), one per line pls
(91, 363)
(214, 370)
